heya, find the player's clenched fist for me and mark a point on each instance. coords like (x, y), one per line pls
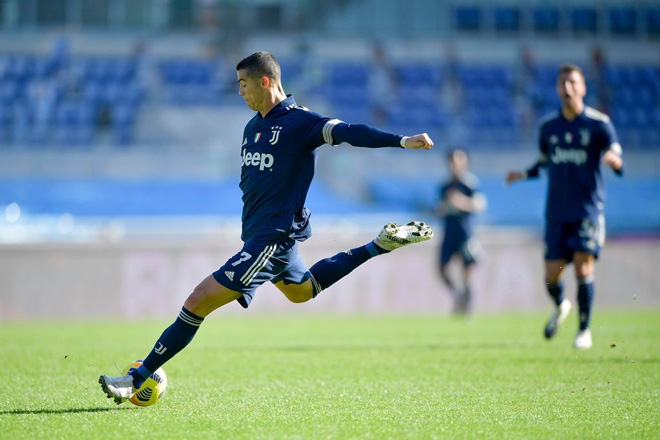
(417, 141)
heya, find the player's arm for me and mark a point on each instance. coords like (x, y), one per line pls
(530, 173)
(473, 203)
(613, 155)
(361, 135)
(535, 170)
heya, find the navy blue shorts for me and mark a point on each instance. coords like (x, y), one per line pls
(563, 239)
(254, 265)
(467, 249)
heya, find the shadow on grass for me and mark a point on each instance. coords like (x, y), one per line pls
(61, 411)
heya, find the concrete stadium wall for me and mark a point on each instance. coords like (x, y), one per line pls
(133, 279)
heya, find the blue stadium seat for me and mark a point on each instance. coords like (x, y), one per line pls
(342, 74)
(584, 20)
(351, 94)
(653, 21)
(545, 19)
(507, 18)
(623, 20)
(354, 114)
(420, 74)
(417, 94)
(9, 92)
(621, 117)
(468, 18)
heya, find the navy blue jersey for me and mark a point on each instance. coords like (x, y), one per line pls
(571, 151)
(458, 224)
(278, 161)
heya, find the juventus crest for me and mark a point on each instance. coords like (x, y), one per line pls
(276, 134)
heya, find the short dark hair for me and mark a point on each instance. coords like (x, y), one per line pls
(261, 64)
(568, 68)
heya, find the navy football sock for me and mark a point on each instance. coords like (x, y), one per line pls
(330, 270)
(585, 298)
(556, 291)
(173, 340)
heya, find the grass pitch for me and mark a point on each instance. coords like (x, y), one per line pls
(315, 377)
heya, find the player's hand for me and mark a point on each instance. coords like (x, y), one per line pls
(418, 141)
(613, 160)
(514, 176)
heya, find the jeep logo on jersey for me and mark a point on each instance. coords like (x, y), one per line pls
(578, 157)
(256, 159)
(276, 135)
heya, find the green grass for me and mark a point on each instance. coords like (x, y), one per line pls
(320, 377)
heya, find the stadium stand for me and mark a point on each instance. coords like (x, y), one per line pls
(458, 75)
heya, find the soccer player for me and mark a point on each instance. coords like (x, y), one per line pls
(573, 142)
(459, 199)
(278, 160)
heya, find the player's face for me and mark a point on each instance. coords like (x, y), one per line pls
(458, 163)
(571, 89)
(250, 89)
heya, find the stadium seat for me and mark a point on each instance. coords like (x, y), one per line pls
(584, 20)
(351, 94)
(417, 94)
(346, 73)
(9, 92)
(623, 20)
(653, 21)
(545, 19)
(468, 18)
(420, 74)
(507, 18)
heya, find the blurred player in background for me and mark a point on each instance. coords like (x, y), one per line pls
(459, 199)
(573, 142)
(278, 160)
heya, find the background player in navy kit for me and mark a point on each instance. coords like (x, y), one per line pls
(278, 160)
(573, 142)
(459, 199)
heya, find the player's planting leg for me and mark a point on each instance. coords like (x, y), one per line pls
(330, 270)
(206, 297)
(453, 291)
(585, 299)
(172, 341)
(563, 307)
(465, 300)
(556, 292)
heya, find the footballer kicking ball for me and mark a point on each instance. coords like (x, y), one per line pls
(152, 390)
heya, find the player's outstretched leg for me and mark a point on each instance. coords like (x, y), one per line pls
(394, 236)
(326, 272)
(556, 318)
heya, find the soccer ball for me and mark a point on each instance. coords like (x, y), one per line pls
(153, 388)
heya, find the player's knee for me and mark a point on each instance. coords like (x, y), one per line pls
(199, 297)
(298, 296)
